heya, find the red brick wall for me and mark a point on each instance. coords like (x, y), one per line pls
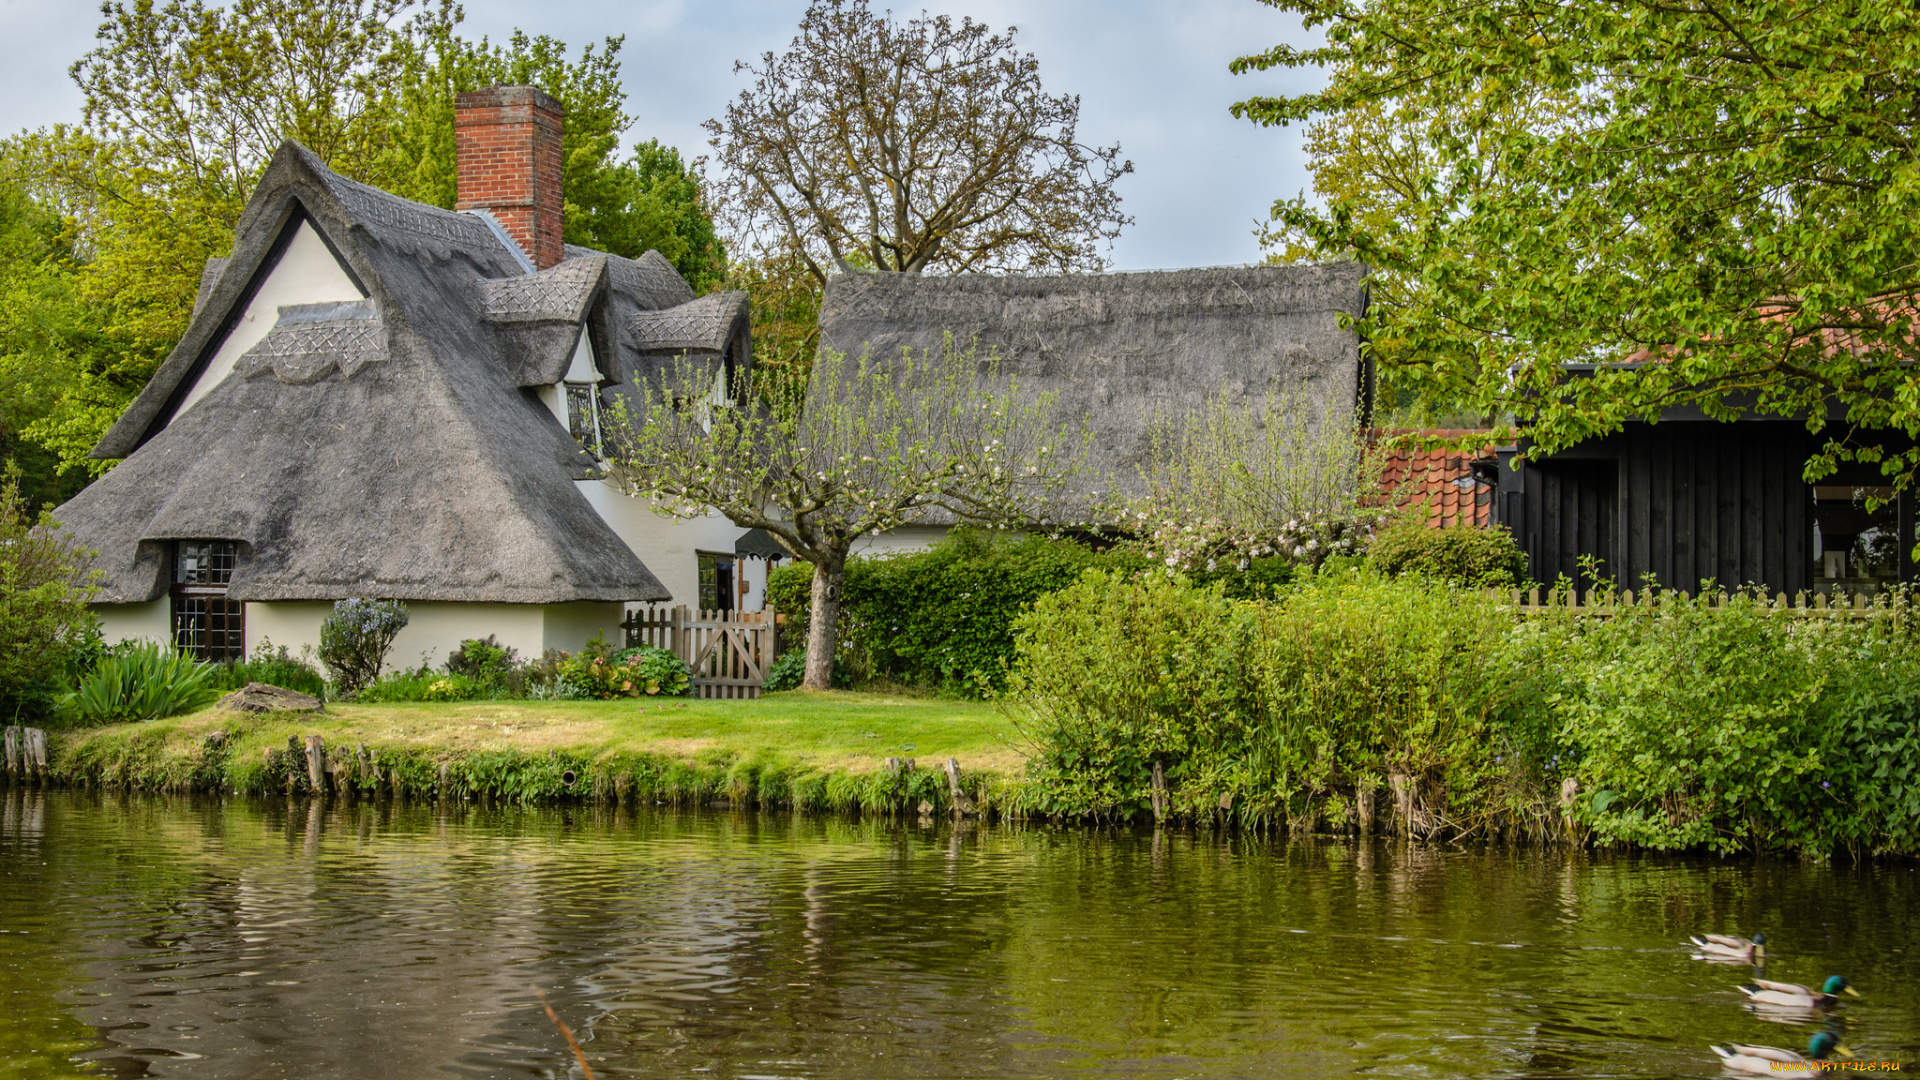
(508, 140)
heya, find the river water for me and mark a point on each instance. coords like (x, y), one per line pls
(262, 939)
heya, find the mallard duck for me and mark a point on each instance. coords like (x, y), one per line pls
(1772, 1061)
(1795, 996)
(1726, 947)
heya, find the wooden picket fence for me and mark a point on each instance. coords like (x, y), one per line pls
(729, 651)
(1595, 603)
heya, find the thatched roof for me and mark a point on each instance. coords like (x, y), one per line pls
(1118, 347)
(384, 447)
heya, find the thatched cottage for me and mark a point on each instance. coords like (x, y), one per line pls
(381, 398)
(1119, 347)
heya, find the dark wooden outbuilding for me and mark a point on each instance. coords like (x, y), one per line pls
(1691, 500)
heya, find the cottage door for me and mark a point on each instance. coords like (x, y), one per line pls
(207, 625)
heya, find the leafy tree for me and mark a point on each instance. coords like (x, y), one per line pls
(1374, 161)
(44, 622)
(185, 104)
(43, 327)
(858, 447)
(1724, 217)
(650, 201)
(785, 302)
(907, 147)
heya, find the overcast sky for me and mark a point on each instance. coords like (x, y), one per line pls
(1151, 75)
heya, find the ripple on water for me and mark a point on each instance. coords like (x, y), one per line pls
(240, 938)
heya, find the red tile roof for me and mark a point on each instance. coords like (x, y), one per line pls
(1443, 480)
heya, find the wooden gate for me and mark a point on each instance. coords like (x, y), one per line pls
(728, 651)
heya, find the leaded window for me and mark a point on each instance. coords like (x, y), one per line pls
(207, 625)
(583, 415)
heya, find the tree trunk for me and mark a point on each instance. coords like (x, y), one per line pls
(824, 624)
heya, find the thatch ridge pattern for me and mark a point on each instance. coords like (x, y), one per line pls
(705, 324)
(312, 340)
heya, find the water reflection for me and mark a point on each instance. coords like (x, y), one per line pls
(261, 939)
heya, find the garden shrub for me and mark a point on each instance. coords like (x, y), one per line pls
(273, 666)
(47, 635)
(1737, 727)
(661, 672)
(426, 685)
(1681, 725)
(354, 640)
(790, 670)
(1465, 555)
(1117, 670)
(601, 671)
(140, 680)
(484, 660)
(1283, 707)
(787, 672)
(1362, 677)
(944, 617)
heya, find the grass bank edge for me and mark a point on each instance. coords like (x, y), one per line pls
(811, 752)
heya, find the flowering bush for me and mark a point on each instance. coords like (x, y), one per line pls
(1183, 542)
(599, 672)
(354, 640)
(660, 672)
(425, 685)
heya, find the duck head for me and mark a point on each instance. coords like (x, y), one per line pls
(1837, 985)
(1825, 1044)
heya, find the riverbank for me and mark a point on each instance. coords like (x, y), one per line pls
(818, 751)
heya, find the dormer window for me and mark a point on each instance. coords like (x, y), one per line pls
(583, 414)
(575, 399)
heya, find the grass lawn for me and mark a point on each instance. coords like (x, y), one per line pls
(836, 731)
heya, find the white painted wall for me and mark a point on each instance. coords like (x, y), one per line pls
(570, 626)
(436, 628)
(669, 546)
(307, 273)
(903, 539)
(152, 620)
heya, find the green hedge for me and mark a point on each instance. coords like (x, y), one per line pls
(1462, 554)
(1674, 726)
(941, 618)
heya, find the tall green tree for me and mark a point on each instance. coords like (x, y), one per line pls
(185, 104)
(649, 201)
(43, 330)
(1725, 215)
(1375, 161)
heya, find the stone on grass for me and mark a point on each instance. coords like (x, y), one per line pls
(265, 697)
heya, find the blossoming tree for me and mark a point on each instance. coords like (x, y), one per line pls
(1237, 479)
(859, 447)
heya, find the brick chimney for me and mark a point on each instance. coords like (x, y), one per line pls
(508, 147)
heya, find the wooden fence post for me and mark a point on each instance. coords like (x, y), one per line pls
(317, 765)
(13, 749)
(962, 804)
(1159, 792)
(37, 753)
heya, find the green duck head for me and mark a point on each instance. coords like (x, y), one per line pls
(1837, 985)
(1826, 1043)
